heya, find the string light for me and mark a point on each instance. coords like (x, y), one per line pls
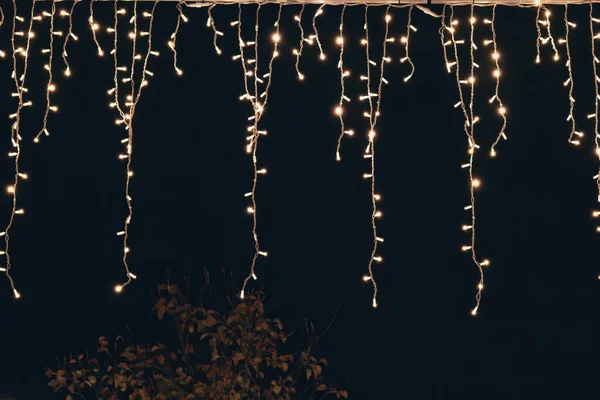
(258, 112)
(373, 116)
(70, 35)
(132, 101)
(468, 126)
(210, 22)
(173, 42)
(544, 40)
(316, 35)
(298, 52)
(406, 41)
(597, 95)
(497, 73)
(94, 27)
(2, 53)
(19, 80)
(50, 87)
(339, 110)
(575, 134)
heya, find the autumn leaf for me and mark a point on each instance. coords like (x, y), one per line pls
(308, 373)
(237, 357)
(321, 387)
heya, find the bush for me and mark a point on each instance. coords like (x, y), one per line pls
(237, 356)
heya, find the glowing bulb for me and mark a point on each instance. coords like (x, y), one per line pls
(10, 189)
(497, 73)
(485, 263)
(276, 37)
(474, 311)
(17, 294)
(338, 110)
(118, 289)
(339, 40)
(476, 183)
(480, 286)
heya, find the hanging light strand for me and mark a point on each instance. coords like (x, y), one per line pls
(339, 110)
(173, 42)
(550, 38)
(442, 31)
(2, 53)
(19, 80)
(461, 102)
(595, 61)
(539, 35)
(258, 109)
(373, 116)
(94, 27)
(316, 35)
(497, 73)
(50, 87)
(575, 135)
(406, 41)
(132, 101)
(298, 52)
(70, 35)
(474, 183)
(210, 22)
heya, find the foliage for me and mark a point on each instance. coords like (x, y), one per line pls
(237, 356)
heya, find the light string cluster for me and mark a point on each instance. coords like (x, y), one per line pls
(50, 87)
(406, 40)
(173, 41)
(94, 26)
(497, 73)
(128, 108)
(575, 135)
(298, 52)
(595, 36)
(544, 39)
(373, 115)
(210, 22)
(70, 35)
(126, 93)
(339, 110)
(259, 103)
(469, 129)
(15, 136)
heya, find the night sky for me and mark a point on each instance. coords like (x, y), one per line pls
(537, 332)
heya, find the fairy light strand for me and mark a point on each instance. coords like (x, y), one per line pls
(50, 86)
(595, 61)
(132, 102)
(258, 109)
(298, 52)
(94, 27)
(339, 110)
(497, 73)
(173, 41)
(442, 31)
(210, 22)
(19, 80)
(575, 135)
(316, 32)
(373, 116)
(474, 183)
(70, 34)
(547, 14)
(406, 41)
